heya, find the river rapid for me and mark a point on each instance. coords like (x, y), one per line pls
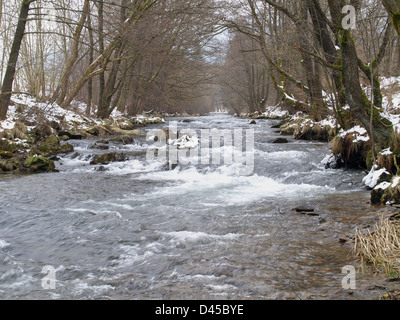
(134, 230)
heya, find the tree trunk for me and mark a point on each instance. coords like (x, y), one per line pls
(104, 57)
(360, 105)
(393, 8)
(6, 90)
(109, 88)
(102, 80)
(74, 54)
(91, 58)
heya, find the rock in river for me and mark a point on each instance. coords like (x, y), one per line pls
(39, 165)
(108, 157)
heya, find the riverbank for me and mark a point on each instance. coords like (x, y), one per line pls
(36, 133)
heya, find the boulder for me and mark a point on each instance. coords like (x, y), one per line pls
(125, 139)
(51, 147)
(40, 165)
(108, 157)
(280, 141)
(98, 131)
(6, 165)
(100, 146)
(378, 192)
(71, 135)
(67, 148)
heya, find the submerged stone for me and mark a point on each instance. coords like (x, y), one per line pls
(280, 141)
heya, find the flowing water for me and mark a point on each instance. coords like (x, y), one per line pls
(138, 231)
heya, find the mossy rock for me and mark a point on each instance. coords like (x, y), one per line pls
(73, 135)
(40, 165)
(6, 155)
(50, 147)
(67, 148)
(6, 165)
(98, 131)
(108, 157)
(125, 139)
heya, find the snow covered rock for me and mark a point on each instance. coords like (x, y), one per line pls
(376, 176)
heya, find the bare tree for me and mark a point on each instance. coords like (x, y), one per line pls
(7, 87)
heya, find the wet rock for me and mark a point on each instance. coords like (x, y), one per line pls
(55, 158)
(304, 210)
(253, 122)
(64, 138)
(377, 195)
(71, 135)
(98, 131)
(75, 155)
(101, 169)
(108, 157)
(125, 139)
(48, 147)
(100, 146)
(308, 211)
(67, 148)
(51, 147)
(333, 162)
(280, 141)
(40, 165)
(279, 125)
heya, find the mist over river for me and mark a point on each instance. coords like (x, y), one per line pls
(134, 230)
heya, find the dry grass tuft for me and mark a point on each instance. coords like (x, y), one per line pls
(380, 248)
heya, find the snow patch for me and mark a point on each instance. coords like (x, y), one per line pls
(371, 180)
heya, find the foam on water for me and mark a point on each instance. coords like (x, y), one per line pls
(3, 243)
(192, 236)
(225, 186)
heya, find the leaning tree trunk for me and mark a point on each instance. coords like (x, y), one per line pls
(74, 54)
(393, 8)
(360, 105)
(6, 90)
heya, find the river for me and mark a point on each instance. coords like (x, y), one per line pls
(137, 231)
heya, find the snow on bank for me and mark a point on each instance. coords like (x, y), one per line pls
(371, 180)
(32, 112)
(391, 100)
(360, 134)
(275, 112)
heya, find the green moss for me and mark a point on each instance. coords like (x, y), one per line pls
(6, 165)
(67, 148)
(396, 21)
(40, 164)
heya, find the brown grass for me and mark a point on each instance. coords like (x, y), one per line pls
(380, 248)
(19, 131)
